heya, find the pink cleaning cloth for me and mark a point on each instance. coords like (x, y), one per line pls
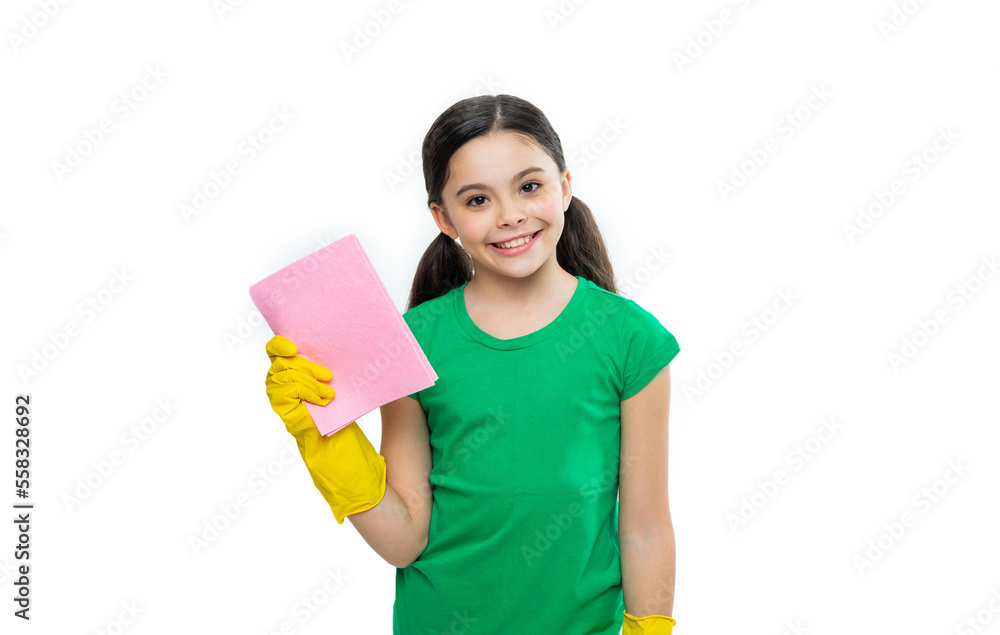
(336, 310)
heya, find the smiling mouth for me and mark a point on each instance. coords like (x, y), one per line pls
(530, 238)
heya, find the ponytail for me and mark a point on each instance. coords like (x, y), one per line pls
(581, 250)
(444, 266)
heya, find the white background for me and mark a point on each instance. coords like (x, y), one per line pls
(662, 134)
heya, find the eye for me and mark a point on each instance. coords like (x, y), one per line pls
(534, 189)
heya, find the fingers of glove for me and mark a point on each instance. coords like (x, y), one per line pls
(302, 364)
(292, 410)
(300, 425)
(295, 375)
(279, 346)
(292, 384)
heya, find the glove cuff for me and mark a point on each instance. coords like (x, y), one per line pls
(648, 625)
(346, 469)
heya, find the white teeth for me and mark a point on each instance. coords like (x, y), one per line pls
(515, 243)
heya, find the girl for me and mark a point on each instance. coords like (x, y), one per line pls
(501, 507)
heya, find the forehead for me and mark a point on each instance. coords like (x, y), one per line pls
(498, 155)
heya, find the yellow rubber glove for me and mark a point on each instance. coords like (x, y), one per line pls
(650, 624)
(345, 468)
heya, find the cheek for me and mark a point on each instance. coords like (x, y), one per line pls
(478, 227)
(549, 209)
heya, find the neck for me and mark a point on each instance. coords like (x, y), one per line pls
(506, 294)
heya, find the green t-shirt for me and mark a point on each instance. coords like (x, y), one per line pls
(525, 436)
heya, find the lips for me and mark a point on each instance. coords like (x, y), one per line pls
(507, 240)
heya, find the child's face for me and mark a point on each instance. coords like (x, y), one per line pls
(495, 208)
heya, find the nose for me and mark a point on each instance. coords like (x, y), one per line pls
(510, 213)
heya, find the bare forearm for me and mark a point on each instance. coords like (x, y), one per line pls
(649, 563)
(390, 530)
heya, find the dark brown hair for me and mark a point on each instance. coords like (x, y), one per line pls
(445, 264)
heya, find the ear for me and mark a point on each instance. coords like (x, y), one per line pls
(443, 223)
(567, 188)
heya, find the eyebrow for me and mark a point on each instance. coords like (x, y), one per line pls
(517, 177)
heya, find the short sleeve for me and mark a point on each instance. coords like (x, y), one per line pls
(647, 347)
(416, 396)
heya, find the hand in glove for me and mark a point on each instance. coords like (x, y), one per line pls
(345, 468)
